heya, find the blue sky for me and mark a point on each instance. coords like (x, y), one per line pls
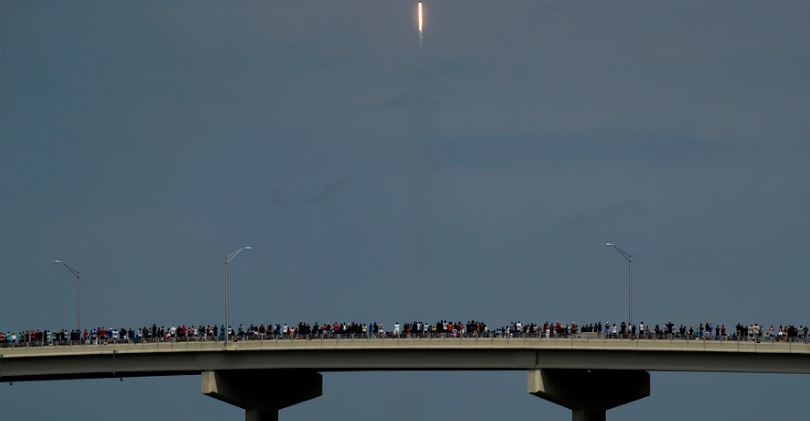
(475, 178)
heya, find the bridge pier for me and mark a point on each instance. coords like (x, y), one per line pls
(262, 393)
(589, 393)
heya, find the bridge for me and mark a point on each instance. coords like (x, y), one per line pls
(588, 376)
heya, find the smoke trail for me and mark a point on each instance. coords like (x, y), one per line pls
(420, 199)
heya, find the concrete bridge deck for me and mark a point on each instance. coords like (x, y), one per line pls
(183, 358)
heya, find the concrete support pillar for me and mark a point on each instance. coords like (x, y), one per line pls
(261, 415)
(262, 393)
(589, 393)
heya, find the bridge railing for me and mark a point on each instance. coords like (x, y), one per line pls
(48, 339)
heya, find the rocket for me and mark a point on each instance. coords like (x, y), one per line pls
(420, 22)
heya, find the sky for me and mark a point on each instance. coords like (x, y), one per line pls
(476, 177)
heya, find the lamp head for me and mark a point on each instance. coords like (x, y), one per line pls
(57, 261)
(248, 247)
(609, 244)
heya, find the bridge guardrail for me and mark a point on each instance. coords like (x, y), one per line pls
(6, 342)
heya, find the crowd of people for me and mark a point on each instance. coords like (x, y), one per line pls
(414, 329)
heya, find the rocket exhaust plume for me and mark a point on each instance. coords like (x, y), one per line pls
(420, 22)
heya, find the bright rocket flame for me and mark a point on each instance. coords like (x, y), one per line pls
(420, 21)
(421, 18)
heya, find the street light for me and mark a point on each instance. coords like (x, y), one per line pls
(629, 258)
(76, 274)
(228, 259)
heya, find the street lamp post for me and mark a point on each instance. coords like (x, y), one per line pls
(228, 259)
(76, 274)
(629, 258)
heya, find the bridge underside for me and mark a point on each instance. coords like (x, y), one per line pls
(588, 393)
